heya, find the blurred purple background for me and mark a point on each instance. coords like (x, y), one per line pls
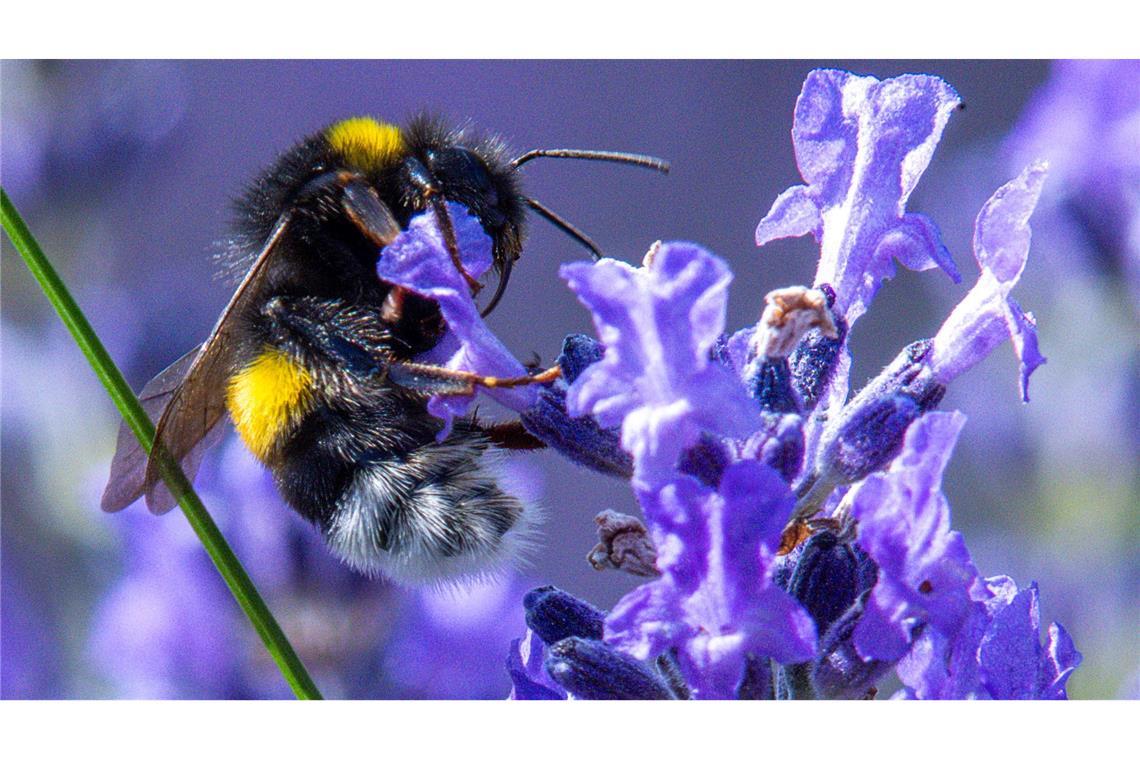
(126, 171)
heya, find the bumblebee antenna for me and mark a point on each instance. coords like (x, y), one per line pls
(635, 159)
(565, 226)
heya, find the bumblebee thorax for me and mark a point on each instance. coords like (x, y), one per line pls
(366, 144)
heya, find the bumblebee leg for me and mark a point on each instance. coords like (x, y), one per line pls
(454, 382)
(419, 176)
(359, 201)
(322, 331)
(444, 220)
(370, 215)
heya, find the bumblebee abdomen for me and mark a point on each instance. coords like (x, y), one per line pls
(267, 398)
(435, 512)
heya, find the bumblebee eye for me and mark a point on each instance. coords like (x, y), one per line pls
(466, 179)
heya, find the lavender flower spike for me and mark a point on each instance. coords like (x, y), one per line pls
(419, 260)
(862, 145)
(987, 315)
(658, 323)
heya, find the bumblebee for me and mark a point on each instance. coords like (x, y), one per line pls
(299, 360)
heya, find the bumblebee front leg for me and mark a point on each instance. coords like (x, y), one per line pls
(443, 381)
(361, 340)
(328, 332)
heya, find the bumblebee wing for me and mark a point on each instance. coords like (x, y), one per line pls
(128, 467)
(197, 404)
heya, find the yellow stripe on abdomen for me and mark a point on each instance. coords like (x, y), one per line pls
(366, 143)
(266, 398)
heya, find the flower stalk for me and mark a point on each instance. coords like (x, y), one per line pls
(227, 563)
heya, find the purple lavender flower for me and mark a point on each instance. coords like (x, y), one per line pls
(526, 665)
(867, 432)
(962, 637)
(156, 633)
(169, 628)
(1086, 122)
(30, 667)
(448, 642)
(1014, 665)
(996, 654)
(987, 316)
(658, 323)
(925, 572)
(862, 146)
(716, 603)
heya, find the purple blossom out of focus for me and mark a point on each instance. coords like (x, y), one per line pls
(1086, 122)
(158, 633)
(737, 441)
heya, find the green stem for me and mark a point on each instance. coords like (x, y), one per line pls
(227, 563)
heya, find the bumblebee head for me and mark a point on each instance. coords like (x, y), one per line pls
(470, 169)
(428, 161)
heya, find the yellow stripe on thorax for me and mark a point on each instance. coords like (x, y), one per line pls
(266, 397)
(366, 143)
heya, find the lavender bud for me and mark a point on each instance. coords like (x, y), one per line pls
(590, 669)
(769, 380)
(785, 566)
(706, 460)
(812, 363)
(555, 615)
(869, 432)
(578, 352)
(667, 666)
(580, 439)
(839, 672)
(794, 682)
(756, 681)
(779, 444)
(871, 439)
(825, 579)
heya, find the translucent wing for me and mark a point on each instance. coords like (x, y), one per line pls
(197, 404)
(128, 468)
